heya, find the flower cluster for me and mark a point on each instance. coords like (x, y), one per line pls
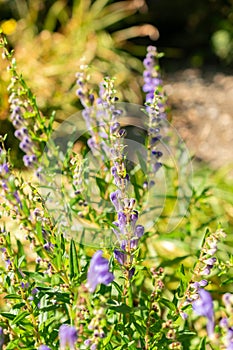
(8, 186)
(203, 266)
(89, 113)
(193, 293)
(4, 167)
(98, 112)
(78, 174)
(207, 259)
(156, 112)
(22, 134)
(127, 231)
(171, 333)
(97, 328)
(151, 74)
(19, 108)
(104, 115)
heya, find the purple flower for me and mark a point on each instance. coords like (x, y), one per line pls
(17, 121)
(134, 218)
(8, 264)
(18, 200)
(27, 140)
(210, 261)
(98, 272)
(204, 307)
(122, 220)
(228, 300)
(139, 231)
(34, 291)
(206, 271)
(92, 145)
(1, 337)
(151, 76)
(24, 285)
(184, 315)
(223, 323)
(87, 342)
(19, 134)
(48, 246)
(203, 283)
(115, 127)
(26, 147)
(229, 339)
(68, 336)
(38, 173)
(157, 166)
(131, 272)
(114, 197)
(43, 347)
(4, 169)
(157, 154)
(120, 256)
(115, 175)
(29, 160)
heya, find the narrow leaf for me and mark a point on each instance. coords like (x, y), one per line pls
(74, 269)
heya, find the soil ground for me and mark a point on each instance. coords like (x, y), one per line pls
(202, 111)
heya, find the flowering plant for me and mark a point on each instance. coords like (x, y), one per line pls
(79, 267)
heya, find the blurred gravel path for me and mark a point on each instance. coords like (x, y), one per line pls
(202, 112)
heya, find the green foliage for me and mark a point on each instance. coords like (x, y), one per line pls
(46, 242)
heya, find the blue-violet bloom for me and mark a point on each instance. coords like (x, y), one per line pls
(204, 307)
(98, 272)
(68, 336)
(44, 347)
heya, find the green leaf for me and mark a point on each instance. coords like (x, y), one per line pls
(187, 333)
(20, 317)
(12, 296)
(108, 338)
(122, 308)
(20, 249)
(13, 344)
(55, 280)
(183, 281)
(20, 261)
(39, 231)
(202, 345)
(175, 261)
(49, 308)
(18, 306)
(25, 207)
(102, 186)
(142, 162)
(74, 268)
(167, 303)
(7, 315)
(118, 288)
(140, 328)
(228, 281)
